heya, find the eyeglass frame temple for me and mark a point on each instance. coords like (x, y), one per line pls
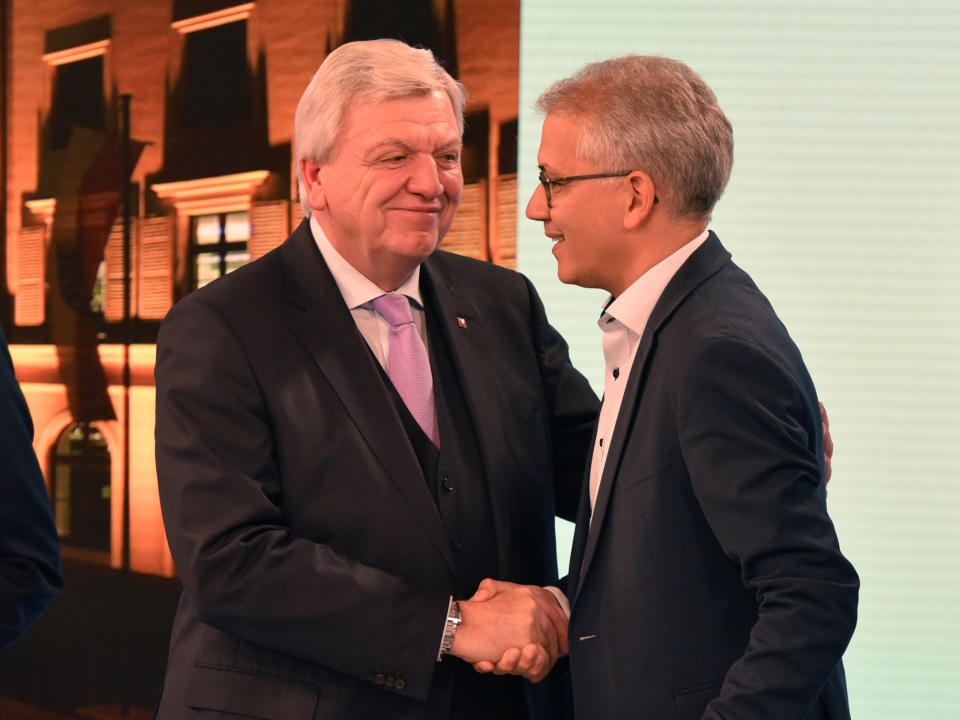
(545, 181)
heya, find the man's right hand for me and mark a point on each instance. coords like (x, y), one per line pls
(513, 628)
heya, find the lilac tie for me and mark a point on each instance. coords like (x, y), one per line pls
(408, 365)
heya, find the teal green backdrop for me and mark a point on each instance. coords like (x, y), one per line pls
(843, 206)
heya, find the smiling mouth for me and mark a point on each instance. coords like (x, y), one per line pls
(423, 210)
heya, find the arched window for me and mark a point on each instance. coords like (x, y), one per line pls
(81, 488)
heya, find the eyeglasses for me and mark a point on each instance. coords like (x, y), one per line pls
(548, 183)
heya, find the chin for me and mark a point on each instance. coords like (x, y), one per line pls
(566, 275)
(422, 248)
(572, 277)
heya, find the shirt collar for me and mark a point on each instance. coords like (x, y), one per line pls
(357, 289)
(634, 305)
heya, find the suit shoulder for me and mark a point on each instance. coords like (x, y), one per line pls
(730, 308)
(249, 286)
(482, 272)
(730, 304)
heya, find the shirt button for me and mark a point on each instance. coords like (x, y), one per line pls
(456, 545)
(447, 485)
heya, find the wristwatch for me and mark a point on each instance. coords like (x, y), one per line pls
(450, 629)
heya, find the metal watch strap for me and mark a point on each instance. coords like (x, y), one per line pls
(450, 629)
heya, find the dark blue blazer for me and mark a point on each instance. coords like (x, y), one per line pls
(710, 583)
(30, 576)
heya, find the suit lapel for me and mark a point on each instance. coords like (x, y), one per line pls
(468, 339)
(703, 263)
(318, 316)
(582, 527)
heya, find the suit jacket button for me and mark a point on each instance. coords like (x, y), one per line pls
(390, 681)
(456, 545)
(401, 683)
(379, 679)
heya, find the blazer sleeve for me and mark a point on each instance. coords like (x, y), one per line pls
(750, 433)
(573, 409)
(30, 574)
(221, 494)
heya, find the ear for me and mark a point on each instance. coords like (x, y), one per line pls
(641, 201)
(310, 172)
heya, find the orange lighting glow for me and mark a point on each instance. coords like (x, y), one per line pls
(80, 52)
(209, 20)
(223, 193)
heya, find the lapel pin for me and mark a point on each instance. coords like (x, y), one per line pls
(462, 322)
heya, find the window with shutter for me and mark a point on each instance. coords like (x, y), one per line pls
(113, 259)
(269, 227)
(297, 214)
(30, 305)
(507, 221)
(469, 231)
(156, 268)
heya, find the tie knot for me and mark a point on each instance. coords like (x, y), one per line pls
(395, 308)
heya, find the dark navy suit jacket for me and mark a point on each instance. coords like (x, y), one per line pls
(710, 583)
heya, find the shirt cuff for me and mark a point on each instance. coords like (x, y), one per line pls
(561, 598)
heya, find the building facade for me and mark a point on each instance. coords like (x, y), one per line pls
(206, 91)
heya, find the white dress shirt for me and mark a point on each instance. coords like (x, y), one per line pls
(358, 290)
(622, 322)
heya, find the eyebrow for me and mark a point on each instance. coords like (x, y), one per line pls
(397, 143)
(388, 144)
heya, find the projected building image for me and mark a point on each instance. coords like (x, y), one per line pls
(189, 105)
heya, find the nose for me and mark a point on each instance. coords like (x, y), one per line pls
(424, 178)
(537, 206)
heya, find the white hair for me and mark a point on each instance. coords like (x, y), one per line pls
(371, 70)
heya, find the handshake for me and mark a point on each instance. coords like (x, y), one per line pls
(511, 629)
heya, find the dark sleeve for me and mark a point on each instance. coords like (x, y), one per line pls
(573, 409)
(220, 491)
(751, 436)
(29, 548)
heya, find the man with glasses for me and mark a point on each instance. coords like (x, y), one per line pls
(706, 580)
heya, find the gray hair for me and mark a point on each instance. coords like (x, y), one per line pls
(653, 114)
(371, 70)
